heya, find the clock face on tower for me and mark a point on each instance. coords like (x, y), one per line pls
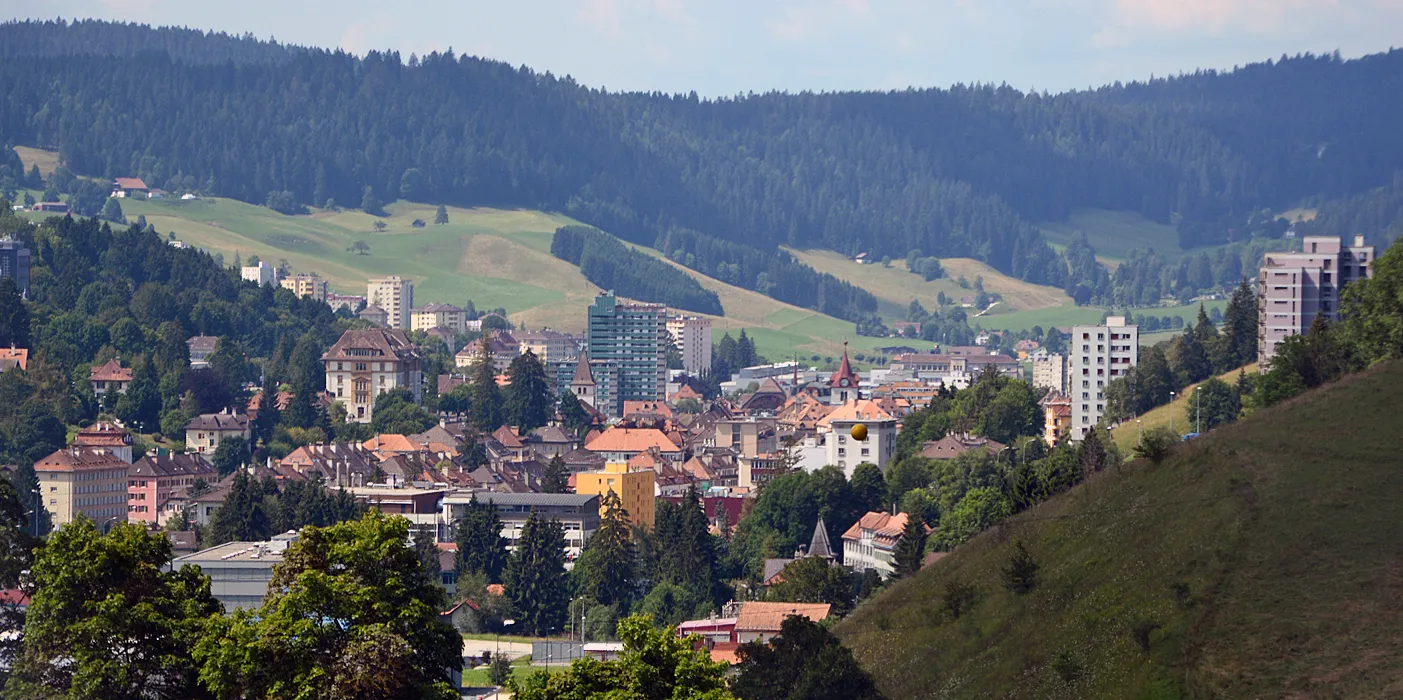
(843, 382)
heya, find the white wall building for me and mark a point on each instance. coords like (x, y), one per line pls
(260, 274)
(1099, 354)
(871, 543)
(692, 335)
(395, 295)
(364, 364)
(845, 451)
(1050, 372)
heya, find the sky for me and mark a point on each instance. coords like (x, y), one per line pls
(730, 47)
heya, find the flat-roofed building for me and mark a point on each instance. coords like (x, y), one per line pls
(306, 286)
(1099, 355)
(90, 481)
(395, 295)
(445, 316)
(634, 487)
(578, 515)
(239, 572)
(692, 337)
(1294, 288)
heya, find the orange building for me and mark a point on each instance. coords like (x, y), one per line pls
(635, 490)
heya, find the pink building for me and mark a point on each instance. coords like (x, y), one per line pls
(155, 479)
(1294, 288)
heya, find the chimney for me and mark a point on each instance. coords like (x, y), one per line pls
(1358, 243)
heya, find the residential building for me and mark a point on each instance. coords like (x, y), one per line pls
(201, 347)
(871, 543)
(577, 513)
(154, 481)
(124, 187)
(1050, 372)
(239, 572)
(1057, 418)
(306, 286)
(445, 316)
(818, 548)
(633, 487)
(375, 315)
(14, 264)
(262, 274)
(548, 346)
(53, 207)
(692, 337)
(846, 451)
(1294, 288)
(107, 436)
(759, 621)
(954, 445)
(204, 433)
(395, 295)
(349, 302)
(622, 444)
(747, 436)
(500, 345)
(404, 501)
(1099, 355)
(83, 480)
(364, 364)
(633, 338)
(13, 357)
(110, 376)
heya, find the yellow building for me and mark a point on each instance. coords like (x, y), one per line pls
(91, 481)
(306, 286)
(634, 489)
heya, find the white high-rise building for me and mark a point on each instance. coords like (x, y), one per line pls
(692, 335)
(261, 274)
(1099, 354)
(396, 296)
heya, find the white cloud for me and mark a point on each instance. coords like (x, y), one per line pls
(1132, 19)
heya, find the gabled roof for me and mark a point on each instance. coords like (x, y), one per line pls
(952, 446)
(508, 438)
(756, 616)
(206, 343)
(110, 372)
(380, 343)
(856, 410)
(19, 355)
(102, 434)
(79, 459)
(631, 440)
(130, 183)
(885, 528)
(389, 443)
(219, 422)
(173, 465)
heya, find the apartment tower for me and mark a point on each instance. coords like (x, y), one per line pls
(632, 338)
(1294, 288)
(1099, 354)
(396, 296)
(692, 336)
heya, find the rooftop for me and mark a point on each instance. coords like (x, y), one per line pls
(767, 617)
(631, 440)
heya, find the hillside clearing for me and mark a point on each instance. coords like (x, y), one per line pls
(46, 160)
(1173, 415)
(1260, 560)
(1113, 234)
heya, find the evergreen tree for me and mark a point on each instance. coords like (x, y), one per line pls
(535, 577)
(481, 549)
(869, 487)
(242, 517)
(231, 454)
(1240, 328)
(606, 567)
(306, 376)
(14, 317)
(911, 548)
(441, 216)
(140, 407)
(557, 478)
(529, 397)
(489, 411)
(16, 559)
(427, 551)
(1208, 337)
(1021, 574)
(1191, 359)
(369, 203)
(112, 211)
(573, 416)
(1091, 453)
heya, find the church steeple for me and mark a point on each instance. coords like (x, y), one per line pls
(819, 546)
(582, 385)
(844, 382)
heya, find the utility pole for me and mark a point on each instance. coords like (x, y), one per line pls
(1171, 411)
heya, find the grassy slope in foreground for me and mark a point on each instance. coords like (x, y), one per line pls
(1266, 552)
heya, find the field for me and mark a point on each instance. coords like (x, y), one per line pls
(895, 286)
(1114, 234)
(1072, 315)
(1126, 434)
(1260, 560)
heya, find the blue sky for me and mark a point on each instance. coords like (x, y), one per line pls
(726, 47)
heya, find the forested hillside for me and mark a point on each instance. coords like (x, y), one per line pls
(716, 185)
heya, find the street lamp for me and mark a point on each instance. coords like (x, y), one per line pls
(1171, 411)
(38, 503)
(1198, 411)
(1139, 433)
(505, 623)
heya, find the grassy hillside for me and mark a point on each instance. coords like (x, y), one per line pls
(1183, 422)
(1259, 561)
(1114, 233)
(895, 286)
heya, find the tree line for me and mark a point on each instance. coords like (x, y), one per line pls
(609, 264)
(952, 172)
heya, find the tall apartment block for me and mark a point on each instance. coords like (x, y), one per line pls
(1294, 288)
(692, 335)
(1098, 355)
(631, 338)
(396, 296)
(14, 263)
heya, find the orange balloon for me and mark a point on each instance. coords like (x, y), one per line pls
(860, 432)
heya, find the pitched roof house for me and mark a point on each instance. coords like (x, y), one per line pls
(111, 376)
(952, 446)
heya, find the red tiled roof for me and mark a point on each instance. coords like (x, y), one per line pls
(856, 410)
(952, 446)
(130, 183)
(767, 617)
(110, 372)
(885, 528)
(631, 440)
(19, 355)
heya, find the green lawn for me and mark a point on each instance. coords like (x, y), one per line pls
(478, 678)
(1114, 233)
(1174, 415)
(1070, 315)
